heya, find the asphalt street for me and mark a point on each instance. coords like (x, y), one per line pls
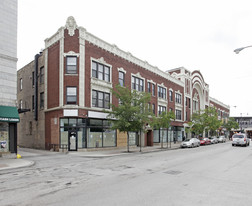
(208, 175)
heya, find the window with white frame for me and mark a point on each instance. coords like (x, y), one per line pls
(153, 90)
(100, 99)
(195, 105)
(161, 92)
(170, 95)
(137, 84)
(178, 114)
(178, 98)
(100, 71)
(71, 95)
(71, 64)
(149, 87)
(153, 108)
(121, 78)
(161, 109)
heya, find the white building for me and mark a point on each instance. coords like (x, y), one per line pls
(8, 76)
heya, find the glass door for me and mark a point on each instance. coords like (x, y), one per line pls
(72, 140)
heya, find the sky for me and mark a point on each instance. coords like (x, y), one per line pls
(194, 34)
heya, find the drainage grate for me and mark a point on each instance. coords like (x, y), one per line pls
(173, 172)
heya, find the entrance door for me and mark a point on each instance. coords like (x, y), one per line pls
(72, 141)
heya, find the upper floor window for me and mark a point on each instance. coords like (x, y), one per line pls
(161, 92)
(42, 100)
(100, 71)
(170, 95)
(153, 108)
(33, 103)
(100, 99)
(21, 104)
(178, 98)
(178, 114)
(161, 109)
(71, 64)
(195, 105)
(71, 95)
(121, 78)
(137, 84)
(33, 79)
(41, 75)
(153, 90)
(21, 84)
(149, 87)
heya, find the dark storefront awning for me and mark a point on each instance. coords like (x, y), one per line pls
(9, 114)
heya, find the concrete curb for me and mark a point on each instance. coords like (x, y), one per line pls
(8, 164)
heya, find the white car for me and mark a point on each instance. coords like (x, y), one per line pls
(240, 139)
(193, 142)
(222, 139)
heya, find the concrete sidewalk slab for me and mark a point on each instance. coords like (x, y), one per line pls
(6, 164)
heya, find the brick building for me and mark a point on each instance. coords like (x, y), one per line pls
(68, 86)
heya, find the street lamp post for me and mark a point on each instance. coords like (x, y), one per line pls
(240, 49)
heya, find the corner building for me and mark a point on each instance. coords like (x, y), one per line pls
(69, 85)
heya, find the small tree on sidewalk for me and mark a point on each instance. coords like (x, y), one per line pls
(231, 124)
(163, 121)
(131, 114)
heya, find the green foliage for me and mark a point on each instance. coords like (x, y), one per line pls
(231, 124)
(131, 113)
(163, 120)
(206, 119)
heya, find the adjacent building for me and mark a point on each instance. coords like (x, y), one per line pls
(8, 76)
(68, 85)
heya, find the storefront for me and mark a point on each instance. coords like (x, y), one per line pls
(8, 129)
(79, 133)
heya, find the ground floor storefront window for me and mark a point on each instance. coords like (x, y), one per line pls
(91, 133)
(4, 136)
(160, 135)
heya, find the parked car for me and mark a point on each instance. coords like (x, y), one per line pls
(213, 140)
(240, 139)
(222, 139)
(193, 142)
(207, 141)
(202, 142)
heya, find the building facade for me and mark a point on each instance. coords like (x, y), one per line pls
(68, 86)
(8, 77)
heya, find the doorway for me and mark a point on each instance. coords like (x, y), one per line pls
(72, 140)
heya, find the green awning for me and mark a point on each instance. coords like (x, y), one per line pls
(9, 114)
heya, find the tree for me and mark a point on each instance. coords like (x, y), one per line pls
(211, 120)
(163, 121)
(206, 119)
(131, 114)
(231, 124)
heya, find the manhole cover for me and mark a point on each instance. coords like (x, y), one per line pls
(173, 172)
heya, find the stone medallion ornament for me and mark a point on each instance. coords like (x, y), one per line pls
(71, 25)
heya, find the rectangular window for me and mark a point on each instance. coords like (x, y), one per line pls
(189, 102)
(161, 109)
(42, 99)
(21, 104)
(170, 95)
(33, 103)
(137, 84)
(153, 109)
(121, 78)
(71, 97)
(33, 79)
(41, 75)
(178, 98)
(71, 64)
(149, 87)
(100, 71)
(178, 114)
(153, 90)
(161, 92)
(21, 84)
(100, 99)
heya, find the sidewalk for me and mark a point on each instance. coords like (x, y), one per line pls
(13, 163)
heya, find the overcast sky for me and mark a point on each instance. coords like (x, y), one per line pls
(196, 34)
